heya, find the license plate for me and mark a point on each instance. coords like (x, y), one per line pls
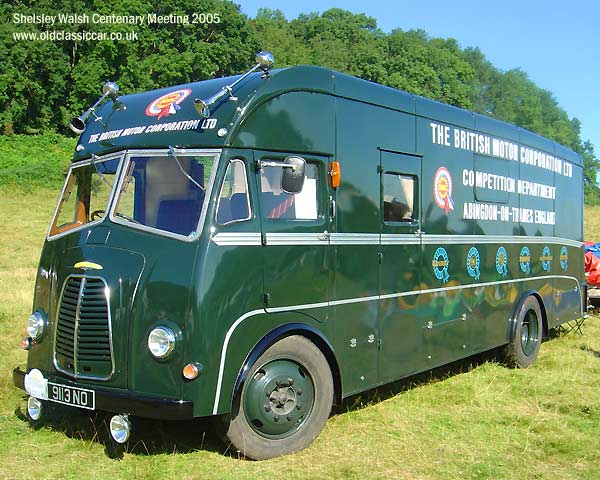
(74, 396)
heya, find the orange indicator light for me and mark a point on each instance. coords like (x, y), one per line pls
(336, 174)
(192, 370)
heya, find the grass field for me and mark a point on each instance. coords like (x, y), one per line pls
(473, 420)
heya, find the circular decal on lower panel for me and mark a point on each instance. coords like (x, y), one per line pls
(525, 260)
(564, 258)
(546, 259)
(502, 261)
(473, 261)
(440, 264)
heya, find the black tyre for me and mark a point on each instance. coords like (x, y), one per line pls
(285, 401)
(522, 351)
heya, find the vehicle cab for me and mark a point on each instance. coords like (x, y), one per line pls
(154, 251)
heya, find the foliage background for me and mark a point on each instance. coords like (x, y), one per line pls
(44, 83)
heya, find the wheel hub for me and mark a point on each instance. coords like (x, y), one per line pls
(283, 400)
(278, 398)
(529, 333)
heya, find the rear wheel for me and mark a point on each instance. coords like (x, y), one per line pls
(285, 401)
(523, 349)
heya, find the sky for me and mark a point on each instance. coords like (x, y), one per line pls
(556, 42)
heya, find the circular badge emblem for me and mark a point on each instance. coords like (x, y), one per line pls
(546, 258)
(440, 264)
(564, 258)
(473, 261)
(168, 104)
(502, 261)
(442, 189)
(525, 260)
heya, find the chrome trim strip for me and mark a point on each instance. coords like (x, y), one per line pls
(487, 239)
(110, 330)
(400, 239)
(75, 326)
(360, 300)
(297, 238)
(237, 238)
(354, 238)
(395, 239)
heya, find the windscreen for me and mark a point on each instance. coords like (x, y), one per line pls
(165, 193)
(85, 196)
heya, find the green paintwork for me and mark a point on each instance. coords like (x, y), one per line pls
(215, 294)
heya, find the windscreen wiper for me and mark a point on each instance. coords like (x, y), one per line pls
(99, 172)
(172, 153)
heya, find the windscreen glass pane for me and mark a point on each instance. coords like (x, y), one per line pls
(165, 193)
(86, 195)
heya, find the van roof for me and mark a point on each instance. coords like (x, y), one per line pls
(166, 116)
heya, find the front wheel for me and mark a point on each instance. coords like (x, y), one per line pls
(523, 349)
(285, 401)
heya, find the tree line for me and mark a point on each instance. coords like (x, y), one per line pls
(44, 83)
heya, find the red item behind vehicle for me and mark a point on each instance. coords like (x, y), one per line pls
(592, 268)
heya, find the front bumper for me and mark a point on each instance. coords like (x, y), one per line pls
(110, 400)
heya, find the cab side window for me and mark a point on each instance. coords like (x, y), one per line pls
(277, 204)
(234, 202)
(399, 197)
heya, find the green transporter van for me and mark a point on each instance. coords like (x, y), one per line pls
(257, 248)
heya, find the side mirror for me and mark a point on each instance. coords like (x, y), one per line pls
(292, 177)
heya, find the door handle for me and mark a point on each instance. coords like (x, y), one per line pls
(331, 207)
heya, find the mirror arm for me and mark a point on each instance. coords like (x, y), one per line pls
(276, 164)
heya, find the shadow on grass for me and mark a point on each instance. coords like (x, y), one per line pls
(384, 392)
(587, 349)
(149, 437)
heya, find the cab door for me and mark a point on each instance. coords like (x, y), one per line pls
(295, 236)
(400, 266)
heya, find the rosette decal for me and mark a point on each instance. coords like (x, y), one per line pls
(167, 104)
(564, 258)
(473, 261)
(525, 260)
(502, 261)
(442, 189)
(440, 264)
(546, 259)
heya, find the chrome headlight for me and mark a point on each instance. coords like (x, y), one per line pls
(161, 341)
(35, 325)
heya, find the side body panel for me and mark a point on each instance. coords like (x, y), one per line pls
(270, 272)
(362, 130)
(400, 320)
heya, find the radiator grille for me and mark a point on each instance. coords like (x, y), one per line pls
(83, 346)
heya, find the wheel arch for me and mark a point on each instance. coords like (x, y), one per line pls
(278, 333)
(512, 324)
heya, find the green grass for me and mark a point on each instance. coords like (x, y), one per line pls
(592, 223)
(473, 420)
